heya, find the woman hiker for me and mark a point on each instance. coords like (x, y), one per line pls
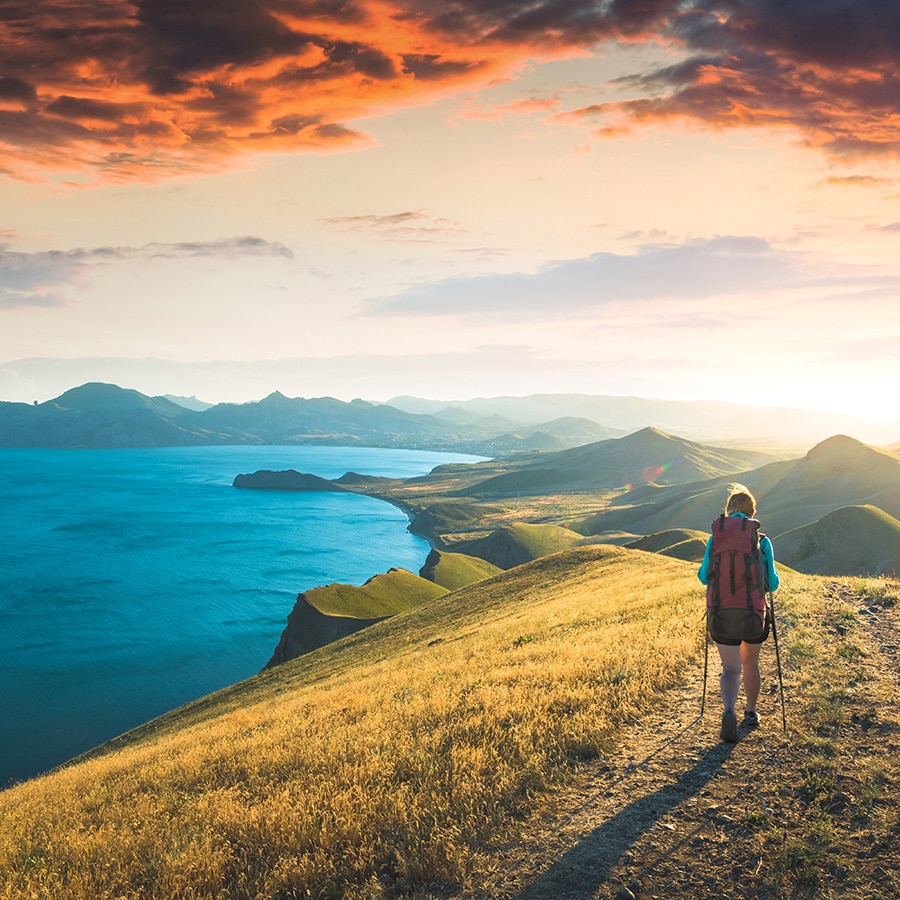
(738, 570)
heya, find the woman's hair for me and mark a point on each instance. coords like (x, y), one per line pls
(740, 500)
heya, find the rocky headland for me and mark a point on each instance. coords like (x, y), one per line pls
(288, 480)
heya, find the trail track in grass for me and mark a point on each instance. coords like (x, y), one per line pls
(807, 813)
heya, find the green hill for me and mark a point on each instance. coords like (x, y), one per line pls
(456, 570)
(679, 543)
(852, 540)
(513, 545)
(334, 611)
(837, 472)
(383, 595)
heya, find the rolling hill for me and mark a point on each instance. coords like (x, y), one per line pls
(852, 540)
(328, 613)
(456, 570)
(513, 545)
(679, 543)
(407, 759)
(839, 471)
(648, 455)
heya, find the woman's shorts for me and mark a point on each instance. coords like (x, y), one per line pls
(727, 642)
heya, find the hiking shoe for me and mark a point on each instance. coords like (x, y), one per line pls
(729, 726)
(751, 719)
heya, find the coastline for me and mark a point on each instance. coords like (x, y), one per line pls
(107, 545)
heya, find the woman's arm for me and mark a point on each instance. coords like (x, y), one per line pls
(768, 554)
(703, 571)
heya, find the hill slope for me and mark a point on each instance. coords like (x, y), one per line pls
(328, 613)
(456, 570)
(837, 472)
(388, 754)
(513, 545)
(852, 540)
(648, 455)
(533, 736)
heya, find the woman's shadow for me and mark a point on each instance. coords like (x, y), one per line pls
(589, 864)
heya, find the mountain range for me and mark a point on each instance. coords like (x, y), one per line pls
(100, 415)
(97, 415)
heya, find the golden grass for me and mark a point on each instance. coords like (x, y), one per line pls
(395, 753)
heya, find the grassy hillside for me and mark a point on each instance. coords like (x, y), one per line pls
(392, 753)
(401, 760)
(838, 472)
(519, 543)
(648, 455)
(679, 543)
(387, 594)
(853, 540)
(456, 570)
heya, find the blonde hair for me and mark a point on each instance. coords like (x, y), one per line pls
(740, 500)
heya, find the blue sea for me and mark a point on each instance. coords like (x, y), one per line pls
(134, 581)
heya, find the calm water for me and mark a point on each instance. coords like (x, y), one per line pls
(134, 581)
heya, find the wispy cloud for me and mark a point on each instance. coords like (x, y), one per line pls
(415, 226)
(34, 279)
(153, 87)
(40, 279)
(722, 267)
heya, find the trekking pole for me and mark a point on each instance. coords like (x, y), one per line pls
(705, 664)
(777, 660)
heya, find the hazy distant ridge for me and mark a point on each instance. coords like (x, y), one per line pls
(100, 415)
(106, 416)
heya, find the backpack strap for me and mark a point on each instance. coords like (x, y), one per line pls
(715, 569)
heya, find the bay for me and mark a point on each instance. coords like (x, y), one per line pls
(134, 581)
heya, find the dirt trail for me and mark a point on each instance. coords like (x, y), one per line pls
(677, 814)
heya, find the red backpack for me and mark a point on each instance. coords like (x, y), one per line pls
(736, 581)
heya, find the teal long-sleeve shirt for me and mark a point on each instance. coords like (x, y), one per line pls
(766, 551)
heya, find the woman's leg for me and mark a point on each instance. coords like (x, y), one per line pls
(730, 679)
(750, 665)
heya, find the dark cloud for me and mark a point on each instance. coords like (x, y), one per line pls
(165, 85)
(430, 67)
(16, 89)
(828, 68)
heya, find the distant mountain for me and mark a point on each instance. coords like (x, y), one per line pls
(101, 415)
(104, 415)
(648, 455)
(189, 402)
(702, 420)
(852, 540)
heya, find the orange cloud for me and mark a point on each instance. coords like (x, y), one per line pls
(147, 88)
(153, 87)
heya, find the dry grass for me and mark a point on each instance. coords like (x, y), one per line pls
(377, 765)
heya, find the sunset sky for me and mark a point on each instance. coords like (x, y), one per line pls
(453, 198)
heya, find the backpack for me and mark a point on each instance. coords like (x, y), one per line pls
(736, 581)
